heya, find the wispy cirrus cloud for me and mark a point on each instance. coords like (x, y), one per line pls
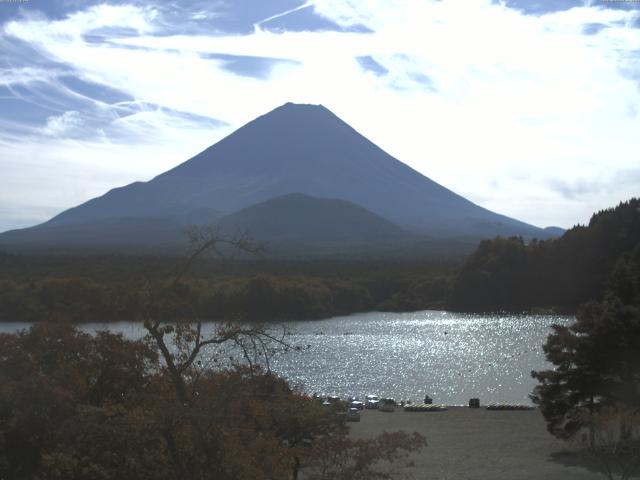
(466, 93)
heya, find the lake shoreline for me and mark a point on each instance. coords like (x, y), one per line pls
(535, 312)
(450, 357)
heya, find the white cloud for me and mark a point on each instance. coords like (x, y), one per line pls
(25, 75)
(521, 99)
(75, 25)
(62, 124)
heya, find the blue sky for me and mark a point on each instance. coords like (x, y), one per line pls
(528, 108)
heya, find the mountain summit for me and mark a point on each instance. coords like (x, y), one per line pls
(296, 149)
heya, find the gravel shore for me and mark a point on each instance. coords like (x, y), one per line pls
(478, 444)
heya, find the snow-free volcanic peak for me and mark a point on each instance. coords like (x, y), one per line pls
(298, 148)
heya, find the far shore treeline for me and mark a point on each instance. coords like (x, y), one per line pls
(111, 288)
(503, 274)
(560, 274)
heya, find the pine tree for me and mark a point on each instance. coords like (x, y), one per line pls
(597, 359)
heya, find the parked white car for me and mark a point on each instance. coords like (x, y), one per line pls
(371, 401)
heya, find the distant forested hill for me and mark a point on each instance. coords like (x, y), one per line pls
(509, 274)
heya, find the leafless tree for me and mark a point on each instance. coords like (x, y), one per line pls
(614, 441)
(182, 343)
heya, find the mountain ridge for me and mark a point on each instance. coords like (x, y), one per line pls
(290, 226)
(304, 149)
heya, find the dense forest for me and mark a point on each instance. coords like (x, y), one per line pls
(596, 364)
(503, 274)
(108, 288)
(560, 274)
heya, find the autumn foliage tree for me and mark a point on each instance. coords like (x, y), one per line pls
(186, 402)
(58, 387)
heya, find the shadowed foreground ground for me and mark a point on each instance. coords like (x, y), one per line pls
(477, 444)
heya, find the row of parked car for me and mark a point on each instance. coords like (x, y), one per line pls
(372, 402)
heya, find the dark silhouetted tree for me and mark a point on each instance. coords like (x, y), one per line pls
(597, 359)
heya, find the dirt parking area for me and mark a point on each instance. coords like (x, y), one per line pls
(479, 444)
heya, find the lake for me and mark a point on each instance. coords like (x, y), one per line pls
(450, 356)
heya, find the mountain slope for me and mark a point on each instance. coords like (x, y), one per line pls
(307, 149)
(300, 218)
(291, 221)
(122, 234)
(290, 226)
(294, 148)
(297, 225)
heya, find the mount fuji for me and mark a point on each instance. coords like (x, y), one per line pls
(295, 162)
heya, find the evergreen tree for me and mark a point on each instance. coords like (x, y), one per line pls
(563, 273)
(597, 359)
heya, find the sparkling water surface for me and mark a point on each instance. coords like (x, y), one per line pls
(449, 356)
